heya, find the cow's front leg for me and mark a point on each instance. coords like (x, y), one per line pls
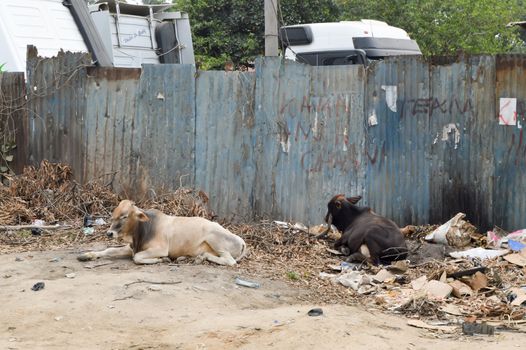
(151, 256)
(119, 252)
(225, 258)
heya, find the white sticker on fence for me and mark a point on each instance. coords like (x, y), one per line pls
(390, 96)
(508, 111)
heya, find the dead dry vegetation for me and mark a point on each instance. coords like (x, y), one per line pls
(288, 253)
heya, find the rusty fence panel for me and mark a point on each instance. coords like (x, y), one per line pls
(57, 103)
(428, 157)
(418, 140)
(13, 121)
(225, 154)
(508, 144)
(309, 142)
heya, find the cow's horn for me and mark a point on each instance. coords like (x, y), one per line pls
(326, 232)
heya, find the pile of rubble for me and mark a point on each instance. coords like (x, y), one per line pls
(471, 279)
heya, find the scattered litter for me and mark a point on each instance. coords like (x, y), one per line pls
(246, 283)
(383, 276)
(330, 276)
(334, 251)
(346, 266)
(315, 312)
(469, 328)
(100, 222)
(55, 259)
(90, 221)
(38, 223)
(110, 306)
(354, 279)
(451, 309)
(517, 296)
(437, 289)
(478, 281)
(154, 288)
(398, 266)
(460, 289)
(71, 275)
(38, 286)
(419, 283)
(281, 224)
(59, 318)
(516, 246)
(36, 231)
(456, 232)
(88, 230)
(422, 324)
(19, 259)
(479, 253)
(499, 237)
(517, 258)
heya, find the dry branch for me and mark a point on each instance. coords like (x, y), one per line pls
(31, 227)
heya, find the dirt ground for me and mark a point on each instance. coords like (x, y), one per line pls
(197, 307)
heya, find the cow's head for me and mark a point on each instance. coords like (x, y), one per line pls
(124, 220)
(338, 211)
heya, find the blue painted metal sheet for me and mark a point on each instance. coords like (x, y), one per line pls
(309, 123)
(225, 157)
(165, 125)
(509, 146)
(426, 158)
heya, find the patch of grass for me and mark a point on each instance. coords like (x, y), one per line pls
(293, 276)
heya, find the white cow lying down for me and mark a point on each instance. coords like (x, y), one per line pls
(152, 236)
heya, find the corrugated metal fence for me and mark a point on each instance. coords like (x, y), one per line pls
(419, 141)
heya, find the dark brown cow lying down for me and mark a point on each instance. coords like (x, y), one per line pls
(153, 236)
(366, 236)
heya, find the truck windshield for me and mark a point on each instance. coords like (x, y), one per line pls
(332, 58)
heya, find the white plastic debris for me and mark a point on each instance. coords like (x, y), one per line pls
(455, 232)
(354, 279)
(100, 221)
(39, 223)
(479, 253)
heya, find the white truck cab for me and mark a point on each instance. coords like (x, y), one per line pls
(344, 43)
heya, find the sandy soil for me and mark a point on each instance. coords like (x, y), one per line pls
(201, 308)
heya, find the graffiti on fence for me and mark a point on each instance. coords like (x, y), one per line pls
(315, 121)
(435, 105)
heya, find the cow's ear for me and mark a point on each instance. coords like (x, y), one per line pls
(142, 217)
(354, 200)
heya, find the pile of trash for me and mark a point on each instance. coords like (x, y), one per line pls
(480, 280)
(453, 276)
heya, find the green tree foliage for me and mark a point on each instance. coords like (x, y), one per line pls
(446, 27)
(233, 30)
